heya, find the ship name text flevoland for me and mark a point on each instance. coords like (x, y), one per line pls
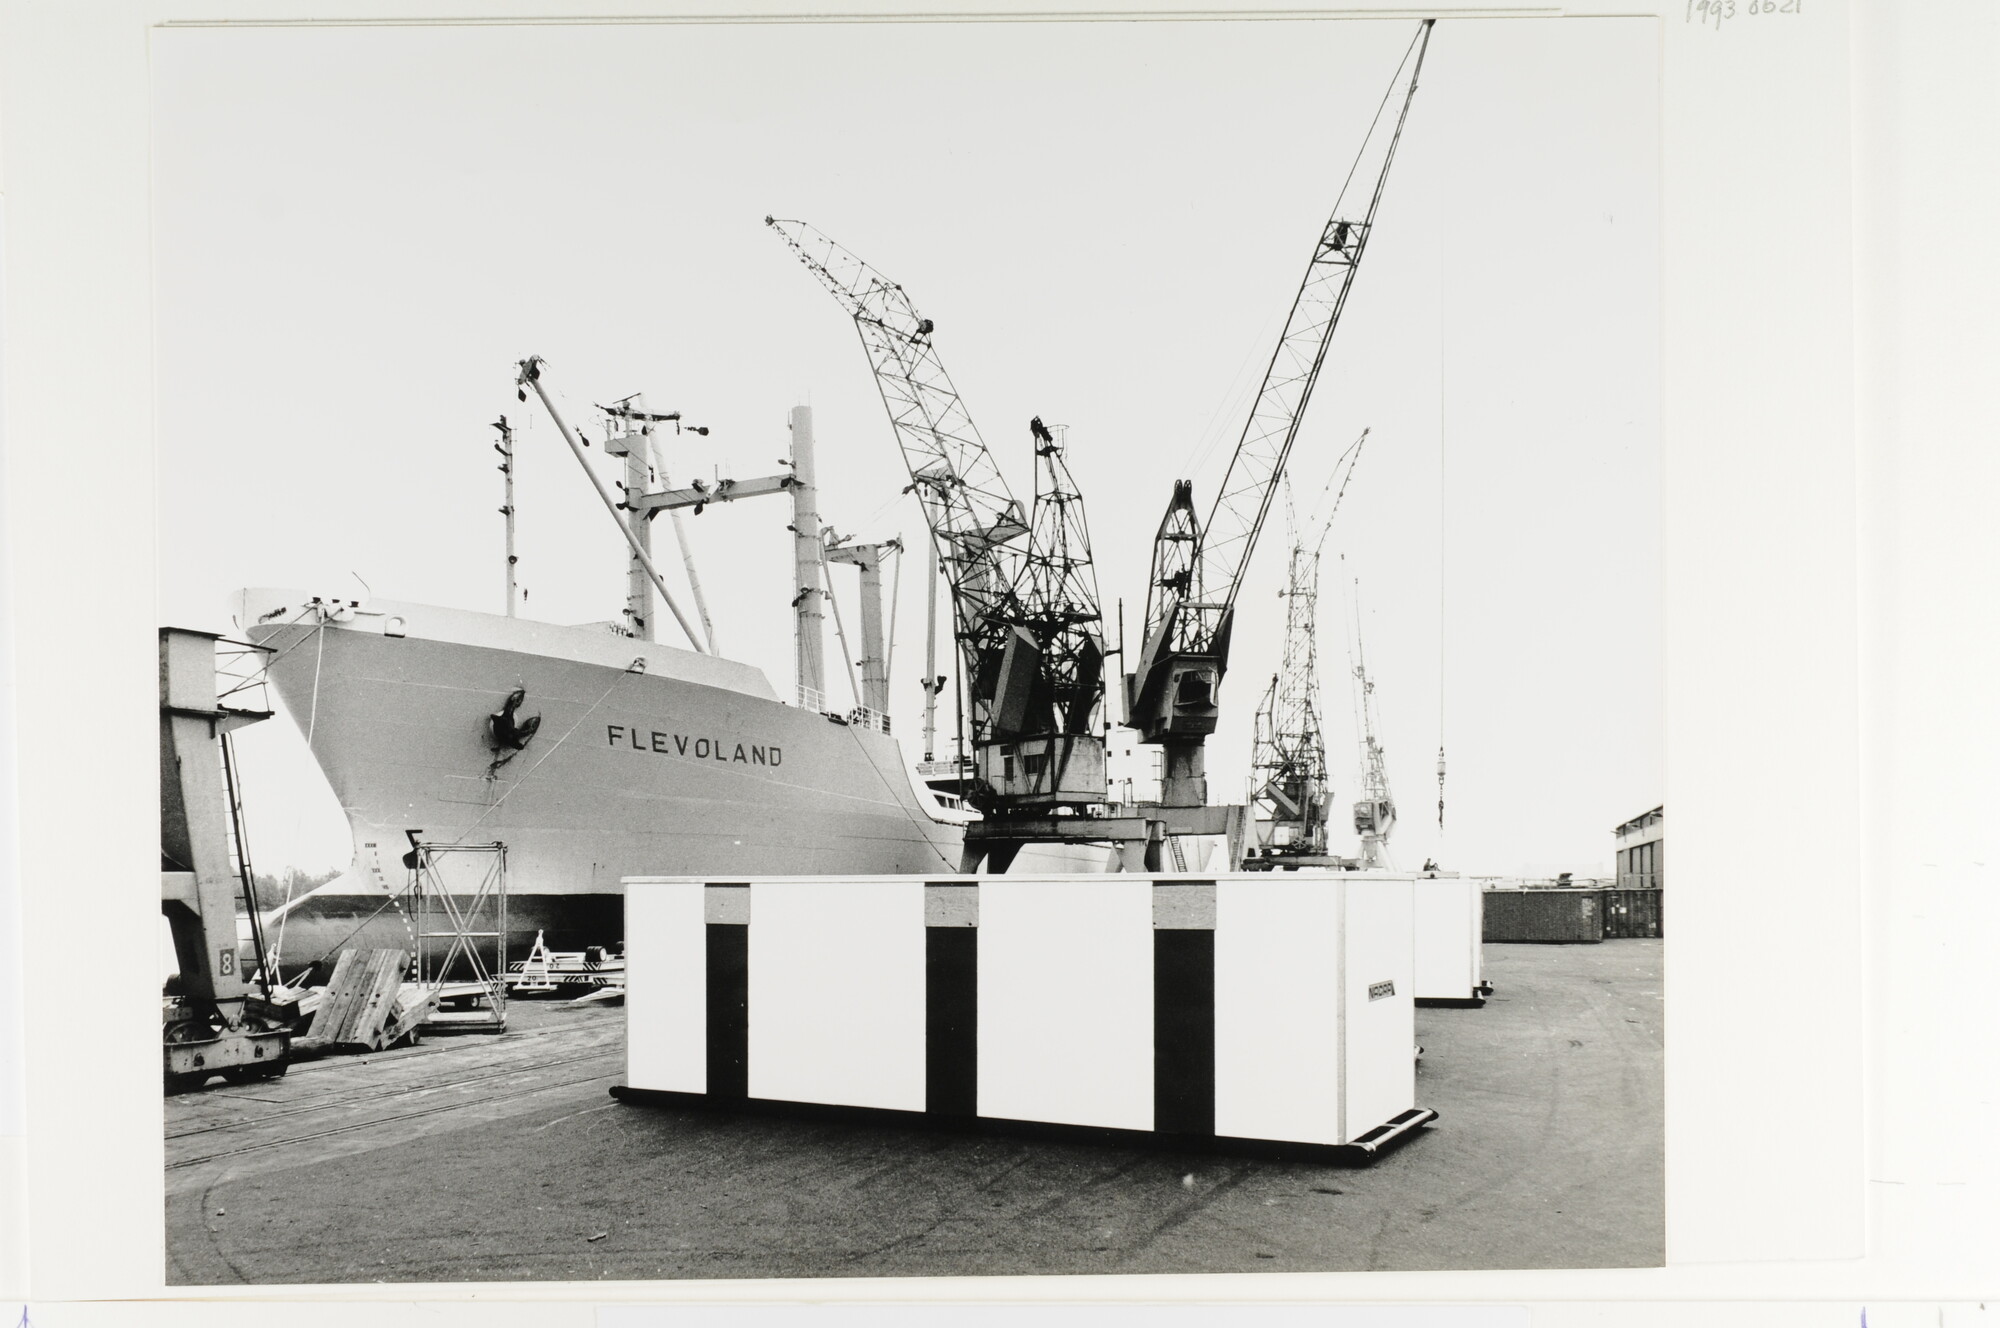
(692, 747)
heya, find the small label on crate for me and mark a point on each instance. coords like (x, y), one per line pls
(1381, 990)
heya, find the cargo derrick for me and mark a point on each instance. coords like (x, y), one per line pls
(1171, 698)
(1024, 599)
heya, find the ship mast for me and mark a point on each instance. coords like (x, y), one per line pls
(629, 433)
(872, 694)
(808, 571)
(626, 436)
(505, 447)
(531, 377)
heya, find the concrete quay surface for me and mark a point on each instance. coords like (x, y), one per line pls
(482, 1158)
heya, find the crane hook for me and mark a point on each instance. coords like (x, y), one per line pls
(1440, 788)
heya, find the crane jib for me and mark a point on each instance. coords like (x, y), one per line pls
(1031, 665)
(1243, 501)
(1189, 631)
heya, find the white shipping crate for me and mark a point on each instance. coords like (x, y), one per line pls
(1066, 1000)
(1450, 921)
(1241, 1010)
(1315, 1022)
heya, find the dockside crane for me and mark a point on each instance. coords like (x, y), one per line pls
(1171, 697)
(1375, 810)
(1024, 596)
(223, 1019)
(1290, 788)
(1057, 648)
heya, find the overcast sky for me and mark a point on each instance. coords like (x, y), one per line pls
(359, 231)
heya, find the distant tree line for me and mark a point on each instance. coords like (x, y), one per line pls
(273, 889)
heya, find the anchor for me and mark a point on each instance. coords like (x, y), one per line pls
(507, 733)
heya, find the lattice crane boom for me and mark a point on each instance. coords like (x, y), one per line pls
(1291, 788)
(1024, 595)
(1288, 759)
(974, 518)
(1057, 593)
(1171, 698)
(1375, 810)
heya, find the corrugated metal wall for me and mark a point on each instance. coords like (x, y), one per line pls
(1633, 914)
(1546, 916)
(1573, 917)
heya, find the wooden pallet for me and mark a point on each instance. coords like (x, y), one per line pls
(365, 1006)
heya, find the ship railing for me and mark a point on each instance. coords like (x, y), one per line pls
(862, 717)
(961, 768)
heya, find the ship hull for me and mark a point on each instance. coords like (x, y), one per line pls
(646, 761)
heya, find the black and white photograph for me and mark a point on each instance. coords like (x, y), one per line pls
(887, 650)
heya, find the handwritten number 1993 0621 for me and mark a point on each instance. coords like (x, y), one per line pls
(1717, 12)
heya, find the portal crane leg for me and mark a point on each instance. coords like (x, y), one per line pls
(221, 1023)
(1184, 773)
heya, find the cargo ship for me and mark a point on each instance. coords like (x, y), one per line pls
(646, 759)
(593, 752)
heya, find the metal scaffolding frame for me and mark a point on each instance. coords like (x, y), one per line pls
(458, 971)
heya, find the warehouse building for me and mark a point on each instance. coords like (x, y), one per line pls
(1638, 852)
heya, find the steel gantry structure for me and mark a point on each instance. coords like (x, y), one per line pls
(1171, 697)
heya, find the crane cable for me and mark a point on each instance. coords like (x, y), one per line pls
(1443, 512)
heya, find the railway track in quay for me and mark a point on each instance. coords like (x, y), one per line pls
(344, 1105)
(397, 1119)
(504, 1159)
(357, 1099)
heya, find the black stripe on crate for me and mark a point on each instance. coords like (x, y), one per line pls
(1184, 1032)
(728, 1010)
(951, 1021)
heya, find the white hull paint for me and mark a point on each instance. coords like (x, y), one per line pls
(649, 761)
